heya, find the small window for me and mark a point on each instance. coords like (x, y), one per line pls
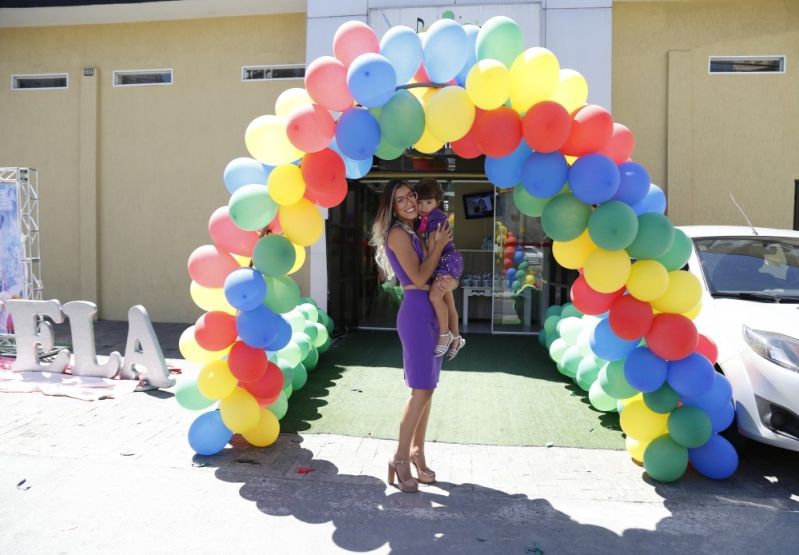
(41, 81)
(141, 77)
(263, 73)
(746, 64)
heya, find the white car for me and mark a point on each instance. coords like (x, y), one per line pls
(750, 308)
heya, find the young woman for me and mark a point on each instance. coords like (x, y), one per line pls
(400, 253)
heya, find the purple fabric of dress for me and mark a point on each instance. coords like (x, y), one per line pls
(417, 328)
(451, 261)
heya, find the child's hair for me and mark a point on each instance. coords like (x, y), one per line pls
(428, 188)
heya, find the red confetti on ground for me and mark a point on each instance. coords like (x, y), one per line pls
(305, 470)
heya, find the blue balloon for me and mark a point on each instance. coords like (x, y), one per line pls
(402, 47)
(722, 418)
(609, 346)
(282, 337)
(245, 288)
(257, 327)
(371, 79)
(471, 58)
(445, 50)
(355, 169)
(510, 273)
(692, 375)
(594, 178)
(245, 171)
(518, 256)
(357, 134)
(654, 201)
(506, 172)
(716, 459)
(208, 435)
(634, 183)
(719, 395)
(644, 370)
(545, 174)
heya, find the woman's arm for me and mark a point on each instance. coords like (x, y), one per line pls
(400, 242)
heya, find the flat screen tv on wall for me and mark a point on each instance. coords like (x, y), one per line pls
(479, 205)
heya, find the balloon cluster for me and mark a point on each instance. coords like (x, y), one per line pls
(671, 409)
(515, 269)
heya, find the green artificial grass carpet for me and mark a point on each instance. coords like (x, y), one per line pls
(500, 390)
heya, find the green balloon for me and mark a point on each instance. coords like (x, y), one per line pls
(291, 353)
(679, 252)
(519, 276)
(565, 217)
(599, 398)
(663, 400)
(288, 390)
(311, 331)
(296, 319)
(665, 460)
(402, 119)
(553, 310)
(287, 370)
(569, 329)
(322, 335)
(300, 377)
(568, 310)
(189, 397)
(557, 349)
(311, 360)
(551, 338)
(280, 406)
(613, 226)
(690, 426)
(388, 151)
(542, 338)
(551, 323)
(587, 372)
(282, 294)
(303, 342)
(310, 312)
(273, 255)
(612, 379)
(654, 238)
(328, 323)
(571, 362)
(528, 204)
(325, 346)
(522, 267)
(309, 300)
(500, 38)
(516, 285)
(251, 208)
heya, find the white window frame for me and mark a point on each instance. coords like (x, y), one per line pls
(16, 76)
(271, 66)
(139, 72)
(784, 58)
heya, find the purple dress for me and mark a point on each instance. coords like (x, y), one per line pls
(417, 327)
(451, 262)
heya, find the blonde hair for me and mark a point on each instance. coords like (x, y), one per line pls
(384, 219)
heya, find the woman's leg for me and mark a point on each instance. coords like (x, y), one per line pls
(415, 413)
(442, 314)
(452, 312)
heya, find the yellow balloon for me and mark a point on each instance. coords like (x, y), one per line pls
(572, 254)
(299, 260)
(301, 222)
(267, 142)
(265, 432)
(210, 299)
(642, 423)
(636, 447)
(694, 312)
(449, 113)
(290, 99)
(240, 411)
(627, 401)
(422, 94)
(215, 380)
(571, 159)
(285, 184)
(683, 293)
(648, 280)
(534, 76)
(488, 84)
(192, 351)
(428, 143)
(572, 90)
(244, 261)
(607, 271)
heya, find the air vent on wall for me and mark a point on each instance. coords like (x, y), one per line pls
(39, 81)
(746, 64)
(263, 73)
(142, 77)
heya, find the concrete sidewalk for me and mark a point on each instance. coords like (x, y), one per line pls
(118, 476)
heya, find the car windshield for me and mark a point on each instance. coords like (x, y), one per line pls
(752, 268)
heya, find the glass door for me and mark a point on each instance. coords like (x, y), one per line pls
(518, 265)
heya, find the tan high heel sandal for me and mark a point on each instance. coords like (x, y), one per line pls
(424, 474)
(408, 486)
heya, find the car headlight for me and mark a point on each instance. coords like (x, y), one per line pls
(780, 349)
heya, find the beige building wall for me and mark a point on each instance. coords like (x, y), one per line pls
(704, 136)
(128, 177)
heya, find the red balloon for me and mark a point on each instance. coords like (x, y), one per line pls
(497, 132)
(228, 235)
(589, 301)
(209, 265)
(330, 198)
(352, 39)
(323, 172)
(672, 336)
(630, 318)
(546, 126)
(507, 263)
(310, 128)
(621, 144)
(592, 127)
(466, 147)
(421, 75)
(215, 331)
(326, 83)
(707, 347)
(267, 388)
(246, 363)
(274, 226)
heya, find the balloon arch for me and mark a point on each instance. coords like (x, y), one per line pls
(627, 337)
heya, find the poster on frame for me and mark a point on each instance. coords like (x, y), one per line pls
(12, 285)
